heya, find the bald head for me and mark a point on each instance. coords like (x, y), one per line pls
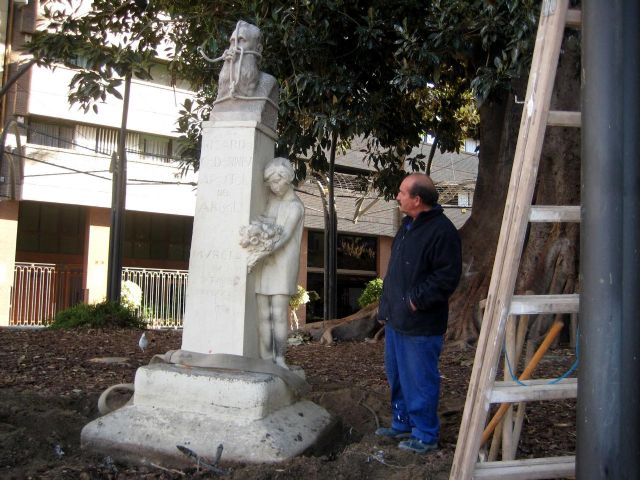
(422, 186)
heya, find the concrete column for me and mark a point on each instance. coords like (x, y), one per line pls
(8, 234)
(220, 313)
(96, 254)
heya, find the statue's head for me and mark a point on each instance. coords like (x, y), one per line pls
(247, 37)
(240, 72)
(279, 166)
(278, 175)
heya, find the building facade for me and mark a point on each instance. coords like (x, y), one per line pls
(56, 189)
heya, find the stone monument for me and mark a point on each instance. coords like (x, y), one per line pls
(229, 384)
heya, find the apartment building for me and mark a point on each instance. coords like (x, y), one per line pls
(55, 198)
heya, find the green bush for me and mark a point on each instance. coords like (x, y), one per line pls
(371, 293)
(99, 315)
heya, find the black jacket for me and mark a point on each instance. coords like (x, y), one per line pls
(425, 267)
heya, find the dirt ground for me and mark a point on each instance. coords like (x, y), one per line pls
(50, 383)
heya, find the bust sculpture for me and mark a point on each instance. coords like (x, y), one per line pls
(245, 92)
(273, 242)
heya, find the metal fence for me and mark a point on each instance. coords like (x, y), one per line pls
(163, 294)
(40, 290)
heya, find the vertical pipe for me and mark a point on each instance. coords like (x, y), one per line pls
(331, 268)
(325, 262)
(118, 201)
(607, 396)
(629, 459)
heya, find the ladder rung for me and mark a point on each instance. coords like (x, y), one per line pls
(559, 118)
(554, 213)
(574, 18)
(535, 390)
(533, 304)
(530, 468)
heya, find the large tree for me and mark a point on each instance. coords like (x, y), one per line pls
(358, 68)
(489, 43)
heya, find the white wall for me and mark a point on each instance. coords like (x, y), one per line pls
(46, 182)
(152, 108)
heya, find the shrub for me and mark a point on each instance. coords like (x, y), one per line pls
(99, 315)
(302, 297)
(131, 294)
(371, 293)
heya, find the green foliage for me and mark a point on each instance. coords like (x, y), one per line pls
(302, 297)
(388, 71)
(371, 293)
(487, 44)
(100, 315)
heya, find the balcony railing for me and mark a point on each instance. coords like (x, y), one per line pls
(40, 290)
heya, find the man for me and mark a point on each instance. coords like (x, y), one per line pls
(424, 270)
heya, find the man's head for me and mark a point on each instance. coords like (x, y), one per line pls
(243, 69)
(417, 194)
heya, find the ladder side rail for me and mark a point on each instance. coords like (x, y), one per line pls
(515, 219)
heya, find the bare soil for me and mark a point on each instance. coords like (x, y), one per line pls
(49, 388)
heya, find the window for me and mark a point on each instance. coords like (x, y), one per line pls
(155, 147)
(157, 237)
(50, 228)
(471, 145)
(355, 252)
(428, 139)
(50, 134)
(356, 262)
(102, 140)
(463, 199)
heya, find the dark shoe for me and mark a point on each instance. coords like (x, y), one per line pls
(392, 433)
(417, 446)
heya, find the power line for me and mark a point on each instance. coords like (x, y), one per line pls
(91, 173)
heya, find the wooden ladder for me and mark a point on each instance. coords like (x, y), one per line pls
(501, 303)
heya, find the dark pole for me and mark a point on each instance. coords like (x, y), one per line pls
(331, 242)
(327, 246)
(629, 460)
(607, 412)
(118, 201)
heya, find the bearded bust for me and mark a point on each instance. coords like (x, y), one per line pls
(244, 92)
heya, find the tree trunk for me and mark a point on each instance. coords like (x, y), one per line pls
(550, 257)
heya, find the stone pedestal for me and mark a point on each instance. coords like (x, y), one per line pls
(220, 314)
(255, 416)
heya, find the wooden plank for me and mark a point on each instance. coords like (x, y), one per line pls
(535, 390)
(554, 213)
(514, 225)
(527, 469)
(535, 304)
(559, 118)
(574, 18)
(509, 356)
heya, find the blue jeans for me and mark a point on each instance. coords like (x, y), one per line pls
(411, 363)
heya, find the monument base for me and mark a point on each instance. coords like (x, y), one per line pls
(255, 417)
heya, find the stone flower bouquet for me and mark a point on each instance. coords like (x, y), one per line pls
(259, 238)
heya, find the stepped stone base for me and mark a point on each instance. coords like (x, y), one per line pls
(255, 416)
